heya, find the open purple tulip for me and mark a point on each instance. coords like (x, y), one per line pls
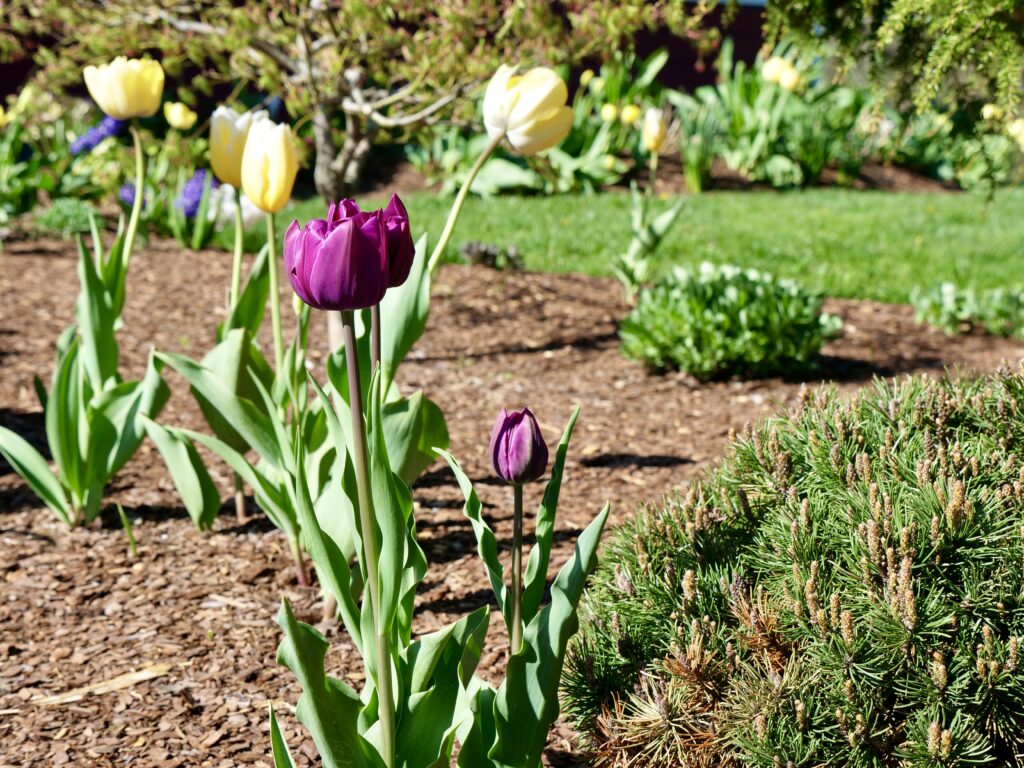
(341, 262)
(518, 452)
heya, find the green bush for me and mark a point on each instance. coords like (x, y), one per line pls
(66, 216)
(717, 321)
(845, 589)
(999, 311)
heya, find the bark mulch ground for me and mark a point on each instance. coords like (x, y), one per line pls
(196, 611)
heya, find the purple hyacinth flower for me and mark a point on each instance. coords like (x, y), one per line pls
(341, 262)
(126, 194)
(89, 140)
(518, 452)
(192, 193)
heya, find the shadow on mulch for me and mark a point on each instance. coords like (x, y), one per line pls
(619, 460)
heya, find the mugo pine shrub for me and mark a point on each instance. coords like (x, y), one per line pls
(844, 589)
(716, 321)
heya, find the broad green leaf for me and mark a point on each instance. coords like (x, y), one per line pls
(434, 671)
(487, 545)
(196, 488)
(35, 471)
(327, 707)
(242, 414)
(96, 318)
(278, 746)
(331, 562)
(238, 365)
(476, 740)
(64, 419)
(540, 555)
(413, 427)
(527, 701)
(200, 226)
(248, 312)
(403, 315)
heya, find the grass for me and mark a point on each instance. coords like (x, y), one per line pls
(845, 243)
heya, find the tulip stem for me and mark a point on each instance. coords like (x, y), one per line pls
(236, 265)
(368, 534)
(375, 337)
(453, 215)
(140, 183)
(240, 515)
(517, 569)
(654, 173)
(275, 295)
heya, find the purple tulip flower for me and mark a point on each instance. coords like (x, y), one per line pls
(340, 262)
(400, 246)
(519, 454)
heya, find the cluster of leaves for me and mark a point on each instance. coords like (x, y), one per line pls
(918, 47)
(844, 589)
(999, 311)
(716, 321)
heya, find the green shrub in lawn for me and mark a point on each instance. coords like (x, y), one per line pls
(716, 321)
(845, 589)
(999, 311)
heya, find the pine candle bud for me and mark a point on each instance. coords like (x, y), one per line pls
(518, 452)
(940, 675)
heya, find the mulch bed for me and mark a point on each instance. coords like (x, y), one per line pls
(76, 610)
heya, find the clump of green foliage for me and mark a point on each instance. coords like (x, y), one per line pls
(66, 216)
(999, 311)
(721, 320)
(844, 589)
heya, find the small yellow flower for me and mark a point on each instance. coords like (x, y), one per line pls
(609, 113)
(597, 84)
(270, 163)
(771, 70)
(630, 114)
(126, 88)
(609, 162)
(790, 79)
(586, 77)
(179, 116)
(1016, 131)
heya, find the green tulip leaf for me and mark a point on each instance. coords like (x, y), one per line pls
(251, 306)
(413, 427)
(278, 746)
(65, 422)
(404, 312)
(35, 471)
(527, 701)
(188, 472)
(328, 708)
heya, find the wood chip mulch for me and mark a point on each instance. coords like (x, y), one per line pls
(194, 613)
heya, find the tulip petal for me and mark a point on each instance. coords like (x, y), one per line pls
(539, 136)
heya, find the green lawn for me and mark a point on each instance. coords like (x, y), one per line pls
(845, 243)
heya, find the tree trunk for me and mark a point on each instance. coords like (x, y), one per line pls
(336, 173)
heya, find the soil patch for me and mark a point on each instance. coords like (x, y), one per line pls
(75, 610)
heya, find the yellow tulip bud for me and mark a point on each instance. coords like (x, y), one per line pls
(609, 113)
(270, 163)
(654, 130)
(529, 110)
(586, 77)
(630, 114)
(597, 84)
(228, 133)
(179, 116)
(609, 162)
(790, 79)
(126, 88)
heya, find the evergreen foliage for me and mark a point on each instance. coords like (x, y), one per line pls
(844, 589)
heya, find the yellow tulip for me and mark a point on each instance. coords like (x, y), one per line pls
(630, 114)
(179, 116)
(992, 113)
(529, 109)
(654, 130)
(609, 113)
(269, 165)
(126, 88)
(586, 77)
(771, 70)
(228, 133)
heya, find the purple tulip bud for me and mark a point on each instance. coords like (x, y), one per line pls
(340, 262)
(400, 246)
(518, 452)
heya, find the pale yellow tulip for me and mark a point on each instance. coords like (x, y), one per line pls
(126, 88)
(529, 110)
(772, 69)
(228, 133)
(654, 130)
(609, 113)
(630, 114)
(270, 163)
